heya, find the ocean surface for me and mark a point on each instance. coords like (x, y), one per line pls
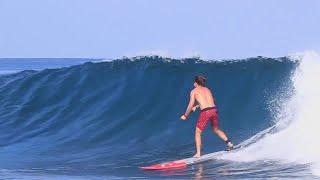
(95, 119)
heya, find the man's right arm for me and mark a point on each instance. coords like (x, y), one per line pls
(195, 107)
(190, 106)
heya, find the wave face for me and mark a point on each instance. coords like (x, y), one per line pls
(105, 119)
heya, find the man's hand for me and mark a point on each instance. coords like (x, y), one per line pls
(183, 117)
(195, 108)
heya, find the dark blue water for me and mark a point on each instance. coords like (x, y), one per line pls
(13, 65)
(104, 120)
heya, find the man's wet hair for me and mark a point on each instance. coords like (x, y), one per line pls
(200, 80)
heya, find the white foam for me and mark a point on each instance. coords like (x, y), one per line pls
(298, 141)
(315, 169)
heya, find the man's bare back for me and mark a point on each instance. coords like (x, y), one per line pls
(204, 97)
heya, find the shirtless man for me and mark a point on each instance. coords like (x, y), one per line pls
(209, 111)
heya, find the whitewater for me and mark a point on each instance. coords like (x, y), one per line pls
(295, 137)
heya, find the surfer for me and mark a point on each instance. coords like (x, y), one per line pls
(203, 96)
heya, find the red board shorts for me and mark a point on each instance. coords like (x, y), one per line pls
(206, 114)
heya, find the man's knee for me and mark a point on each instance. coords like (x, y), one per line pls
(215, 130)
(198, 131)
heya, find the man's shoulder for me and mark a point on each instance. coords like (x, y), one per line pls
(193, 91)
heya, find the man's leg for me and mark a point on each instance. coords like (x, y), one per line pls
(198, 142)
(220, 133)
(223, 136)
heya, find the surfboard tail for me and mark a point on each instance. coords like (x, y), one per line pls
(167, 165)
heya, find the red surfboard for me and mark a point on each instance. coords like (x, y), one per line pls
(183, 163)
(167, 165)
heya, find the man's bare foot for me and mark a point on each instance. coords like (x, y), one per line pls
(230, 146)
(197, 155)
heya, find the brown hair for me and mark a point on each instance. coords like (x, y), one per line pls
(200, 80)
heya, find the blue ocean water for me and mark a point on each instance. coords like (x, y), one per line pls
(98, 120)
(13, 65)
